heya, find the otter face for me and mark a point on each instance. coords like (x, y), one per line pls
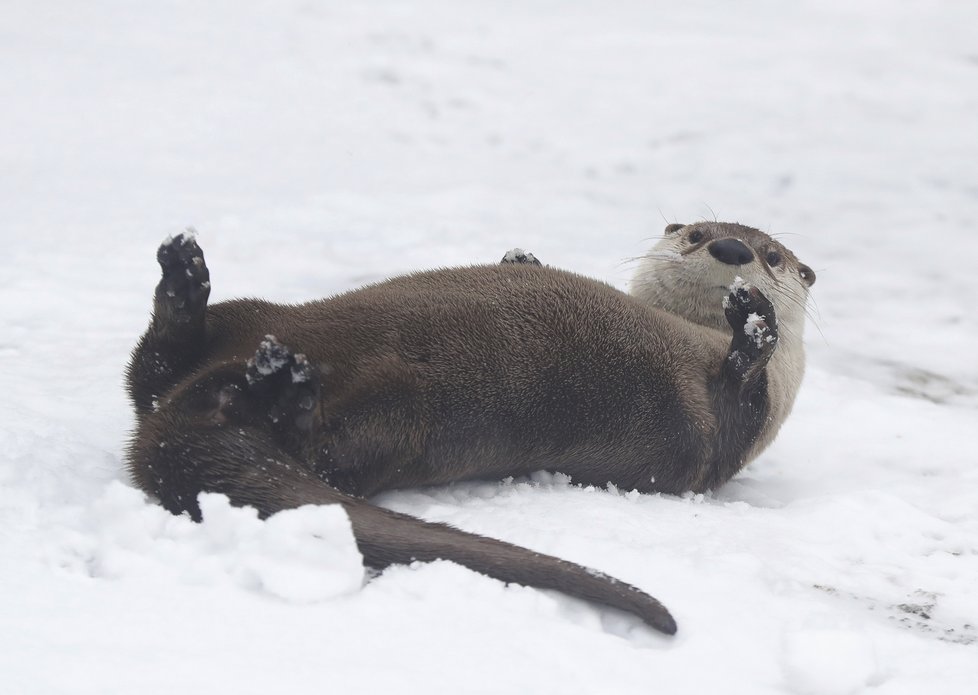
(690, 270)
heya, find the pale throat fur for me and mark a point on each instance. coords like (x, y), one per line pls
(685, 274)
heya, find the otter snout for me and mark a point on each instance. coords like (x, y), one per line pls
(731, 252)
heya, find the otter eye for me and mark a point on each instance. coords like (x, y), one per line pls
(695, 237)
(773, 258)
(807, 274)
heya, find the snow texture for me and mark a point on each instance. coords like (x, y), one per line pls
(320, 146)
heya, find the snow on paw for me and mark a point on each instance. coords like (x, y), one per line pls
(759, 332)
(303, 394)
(270, 358)
(301, 369)
(749, 311)
(519, 257)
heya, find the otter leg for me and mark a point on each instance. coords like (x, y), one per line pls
(347, 436)
(740, 393)
(213, 436)
(241, 430)
(755, 336)
(185, 452)
(519, 257)
(172, 345)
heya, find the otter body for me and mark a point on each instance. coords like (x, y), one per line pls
(455, 374)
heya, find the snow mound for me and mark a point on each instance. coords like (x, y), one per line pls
(829, 661)
(303, 555)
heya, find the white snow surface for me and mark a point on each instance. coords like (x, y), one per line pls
(318, 146)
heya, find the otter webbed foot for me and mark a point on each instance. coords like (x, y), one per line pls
(519, 257)
(171, 347)
(755, 332)
(289, 385)
(181, 295)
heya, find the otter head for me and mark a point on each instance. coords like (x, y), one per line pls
(689, 272)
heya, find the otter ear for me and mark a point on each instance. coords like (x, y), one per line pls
(673, 228)
(807, 274)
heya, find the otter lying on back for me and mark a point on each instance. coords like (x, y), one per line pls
(479, 372)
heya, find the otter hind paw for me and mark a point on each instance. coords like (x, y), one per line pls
(185, 285)
(519, 257)
(290, 383)
(270, 358)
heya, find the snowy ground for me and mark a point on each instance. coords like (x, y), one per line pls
(321, 145)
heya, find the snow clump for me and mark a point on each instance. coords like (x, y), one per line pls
(304, 555)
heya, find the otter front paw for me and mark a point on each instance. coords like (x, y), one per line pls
(755, 330)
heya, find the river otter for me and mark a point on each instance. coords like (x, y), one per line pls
(485, 371)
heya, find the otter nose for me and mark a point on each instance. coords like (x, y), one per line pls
(731, 252)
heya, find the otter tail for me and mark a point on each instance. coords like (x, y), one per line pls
(174, 460)
(385, 538)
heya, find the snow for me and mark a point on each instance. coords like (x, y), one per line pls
(830, 661)
(518, 255)
(319, 146)
(739, 284)
(300, 371)
(187, 235)
(269, 359)
(302, 556)
(755, 327)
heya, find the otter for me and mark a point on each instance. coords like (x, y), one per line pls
(475, 372)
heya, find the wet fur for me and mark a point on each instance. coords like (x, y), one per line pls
(455, 374)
